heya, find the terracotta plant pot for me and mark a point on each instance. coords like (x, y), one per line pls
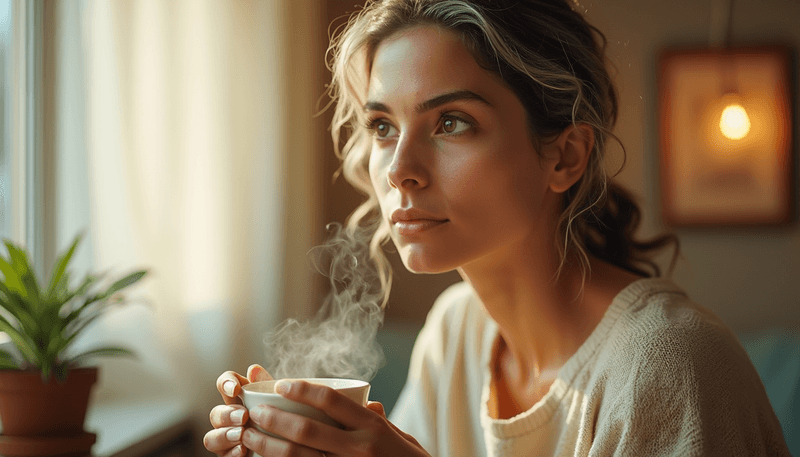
(30, 407)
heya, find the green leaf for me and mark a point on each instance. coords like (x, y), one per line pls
(60, 293)
(15, 304)
(45, 367)
(79, 327)
(31, 289)
(88, 281)
(84, 308)
(124, 282)
(72, 316)
(48, 316)
(80, 292)
(48, 320)
(56, 342)
(104, 351)
(60, 371)
(11, 278)
(7, 361)
(19, 259)
(61, 266)
(26, 348)
(8, 365)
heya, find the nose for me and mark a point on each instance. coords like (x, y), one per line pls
(408, 170)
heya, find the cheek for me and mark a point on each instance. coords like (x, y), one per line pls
(493, 186)
(378, 169)
(461, 169)
(377, 173)
(473, 178)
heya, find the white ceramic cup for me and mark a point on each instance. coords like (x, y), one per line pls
(263, 393)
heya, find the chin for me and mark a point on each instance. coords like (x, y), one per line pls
(419, 263)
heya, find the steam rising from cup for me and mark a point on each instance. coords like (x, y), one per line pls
(339, 342)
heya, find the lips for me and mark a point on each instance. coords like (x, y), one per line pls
(411, 221)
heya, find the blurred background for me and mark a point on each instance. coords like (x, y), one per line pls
(188, 137)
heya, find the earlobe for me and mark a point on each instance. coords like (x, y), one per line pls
(573, 147)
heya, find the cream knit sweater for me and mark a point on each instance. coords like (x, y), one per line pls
(659, 376)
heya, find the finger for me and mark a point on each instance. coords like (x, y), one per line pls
(229, 385)
(405, 435)
(238, 451)
(257, 373)
(267, 445)
(228, 415)
(300, 429)
(377, 407)
(335, 404)
(223, 440)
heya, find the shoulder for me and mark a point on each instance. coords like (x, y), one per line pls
(661, 332)
(676, 374)
(660, 325)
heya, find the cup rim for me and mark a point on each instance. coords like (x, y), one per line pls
(354, 384)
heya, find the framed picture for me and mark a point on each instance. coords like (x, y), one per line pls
(725, 124)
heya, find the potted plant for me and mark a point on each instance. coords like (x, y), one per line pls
(44, 386)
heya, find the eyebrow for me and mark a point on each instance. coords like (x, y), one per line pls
(432, 103)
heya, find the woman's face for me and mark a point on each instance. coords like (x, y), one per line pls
(452, 163)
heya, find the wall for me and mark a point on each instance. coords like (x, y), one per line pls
(749, 277)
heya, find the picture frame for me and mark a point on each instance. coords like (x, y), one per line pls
(727, 151)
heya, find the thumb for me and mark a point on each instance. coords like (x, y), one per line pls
(257, 373)
(377, 407)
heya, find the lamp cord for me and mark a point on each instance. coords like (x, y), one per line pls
(721, 26)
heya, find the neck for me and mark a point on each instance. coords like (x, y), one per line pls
(542, 322)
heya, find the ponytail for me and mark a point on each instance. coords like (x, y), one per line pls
(608, 234)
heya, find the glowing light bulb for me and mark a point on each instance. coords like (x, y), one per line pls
(734, 122)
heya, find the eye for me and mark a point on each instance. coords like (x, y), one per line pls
(453, 125)
(380, 128)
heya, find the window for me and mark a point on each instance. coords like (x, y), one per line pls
(20, 125)
(5, 118)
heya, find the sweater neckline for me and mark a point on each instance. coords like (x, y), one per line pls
(542, 411)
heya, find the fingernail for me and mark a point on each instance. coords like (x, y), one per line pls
(283, 387)
(234, 434)
(237, 451)
(238, 417)
(228, 387)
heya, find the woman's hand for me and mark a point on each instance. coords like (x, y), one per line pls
(366, 432)
(228, 419)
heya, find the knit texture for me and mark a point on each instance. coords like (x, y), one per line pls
(659, 376)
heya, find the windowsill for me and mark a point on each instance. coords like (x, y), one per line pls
(124, 424)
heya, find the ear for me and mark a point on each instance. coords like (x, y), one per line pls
(570, 152)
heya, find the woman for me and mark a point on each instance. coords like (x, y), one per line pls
(477, 130)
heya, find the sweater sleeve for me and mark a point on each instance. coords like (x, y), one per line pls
(689, 390)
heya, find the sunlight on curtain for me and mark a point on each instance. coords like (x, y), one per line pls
(162, 158)
(174, 152)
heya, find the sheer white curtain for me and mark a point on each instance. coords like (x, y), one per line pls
(183, 131)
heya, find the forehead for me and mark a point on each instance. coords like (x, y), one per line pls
(425, 61)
